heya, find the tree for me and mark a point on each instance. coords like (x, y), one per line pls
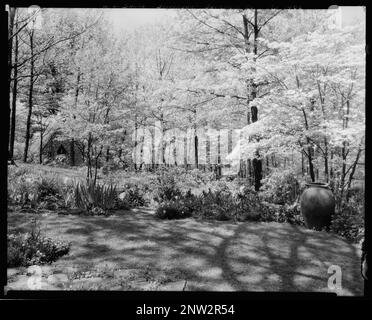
(317, 105)
(32, 46)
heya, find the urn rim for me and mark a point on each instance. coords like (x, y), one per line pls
(318, 185)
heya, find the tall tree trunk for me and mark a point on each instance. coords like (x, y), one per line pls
(344, 153)
(196, 145)
(30, 98)
(331, 173)
(162, 140)
(14, 101)
(311, 166)
(247, 50)
(89, 157)
(11, 16)
(325, 154)
(72, 142)
(309, 149)
(302, 164)
(135, 142)
(257, 161)
(351, 175)
(326, 173)
(41, 143)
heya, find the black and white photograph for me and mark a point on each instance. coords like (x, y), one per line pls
(186, 149)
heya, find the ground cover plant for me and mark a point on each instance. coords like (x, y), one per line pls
(33, 248)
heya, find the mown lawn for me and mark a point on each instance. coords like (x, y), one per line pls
(133, 250)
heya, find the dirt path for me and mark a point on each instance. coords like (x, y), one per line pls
(134, 250)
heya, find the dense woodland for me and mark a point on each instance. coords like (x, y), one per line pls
(221, 118)
(287, 85)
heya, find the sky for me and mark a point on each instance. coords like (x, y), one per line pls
(130, 19)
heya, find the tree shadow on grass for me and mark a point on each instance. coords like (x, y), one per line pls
(287, 258)
(211, 255)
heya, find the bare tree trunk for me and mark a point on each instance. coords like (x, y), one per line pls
(331, 169)
(96, 165)
(257, 161)
(30, 98)
(41, 141)
(72, 142)
(311, 166)
(14, 101)
(196, 145)
(12, 12)
(326, 173)
(309, 150)
(302, 164)
(351, 176)
(89, 158)
(135, 142)
(344, 153)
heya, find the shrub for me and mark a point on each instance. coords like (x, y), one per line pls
(349, 222)
(185, 179)
(135, 196)
(90, 196)
(281, 187)
(190, 202)
(22, 189)
(197, 177)
(172, 210)
(32, 248)
(47, 187)
(165, 187)
(28, 189)
(217, 205)
(49, 193)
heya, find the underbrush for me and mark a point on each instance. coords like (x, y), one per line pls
(32, 248)
(31, 191)
(348, 221)
(179, 193)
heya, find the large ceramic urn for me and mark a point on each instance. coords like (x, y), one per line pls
(317, 205)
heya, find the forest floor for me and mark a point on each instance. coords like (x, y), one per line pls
(133, 250)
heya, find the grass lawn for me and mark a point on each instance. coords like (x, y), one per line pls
(133, 250)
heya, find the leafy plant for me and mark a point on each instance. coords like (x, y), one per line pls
(47, 187)
(33, 248)
(89, 196)
(349, 222)
(281, 187)
(165, 187)
(135, 196)
(172, 210)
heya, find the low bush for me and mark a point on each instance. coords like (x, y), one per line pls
(281, 187)
(219, 205)
(172, 210)
(281, 213)
(47, 187)
(34, 249)
(133, 196)
(165, 187)
(49, 193)
(30, 190)
(349, 222)
(94, 198)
